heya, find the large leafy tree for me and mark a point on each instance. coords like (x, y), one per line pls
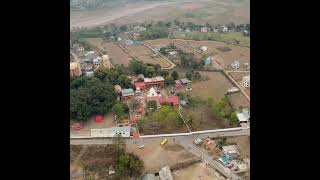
(137, 67)
(129, 165)
(90, 96)
(175, 75)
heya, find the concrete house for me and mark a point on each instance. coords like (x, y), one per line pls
(246, 81)
(235, 65)
(203, 48)
(127, 93)
(224, 29)
(244, 116)
(204, 29)
(111, 132)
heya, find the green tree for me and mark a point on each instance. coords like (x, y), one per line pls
(164, 73)
(168, 80)
(124, 81)
(120, 109)
(189, 75)
(149, 71)
(119, 144)
(123, 28)
(133, 104)
(175, 75)
(167, 117)
(152, 105)
(233, 118)
(137, 67)
(89, 97)
(140, 124)
(129, 165)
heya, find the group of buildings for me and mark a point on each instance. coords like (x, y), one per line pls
(86, 62)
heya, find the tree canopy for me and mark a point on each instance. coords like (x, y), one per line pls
(90, 96)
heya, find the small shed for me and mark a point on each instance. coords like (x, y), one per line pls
(185, 81)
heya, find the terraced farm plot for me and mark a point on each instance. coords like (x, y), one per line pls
(144, 54)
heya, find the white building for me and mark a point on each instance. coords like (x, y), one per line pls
(235, 65)
(96, 62)
(152, 93)
(111, 132)
(246, 81)
(89, 74)
(165, 173)
(203, 48)
(244, 116)
(224, 29)
(204, 29)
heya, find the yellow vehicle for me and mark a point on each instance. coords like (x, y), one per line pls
(164, 141)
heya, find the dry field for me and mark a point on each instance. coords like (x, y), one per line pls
(156, 156)
(195, 171)
(237, 100)
(215, 87)
(242, 143)
(144, 54)
(116, 54)
(241, 54)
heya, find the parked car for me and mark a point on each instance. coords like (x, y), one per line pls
(198, 141)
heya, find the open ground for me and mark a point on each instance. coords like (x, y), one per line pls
(144, 54)
(200, 11)
(156, 156)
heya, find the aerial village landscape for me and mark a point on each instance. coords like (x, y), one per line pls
(151, 105)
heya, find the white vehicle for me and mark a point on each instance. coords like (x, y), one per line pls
(198, 141)
(141, 146)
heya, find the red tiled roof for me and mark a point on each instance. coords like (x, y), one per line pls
(140, 85)
(174, 99)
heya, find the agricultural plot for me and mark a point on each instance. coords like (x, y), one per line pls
(116, 54)
(237, 100)
(146, 55)
(216, 86)
(228, 53)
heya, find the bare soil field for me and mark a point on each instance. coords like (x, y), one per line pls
(156, 156)
(116, 54)
(237, 100)
(206, 118)
(242, 143)
(241, 54)
(150, 127)
(157, 43)
(215, 87)
(200, 11)
(90, 161)
(195, 171)
(144, 54)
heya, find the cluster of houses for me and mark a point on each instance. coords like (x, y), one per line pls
(236, 65)
(87, 63)
(229, 157)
